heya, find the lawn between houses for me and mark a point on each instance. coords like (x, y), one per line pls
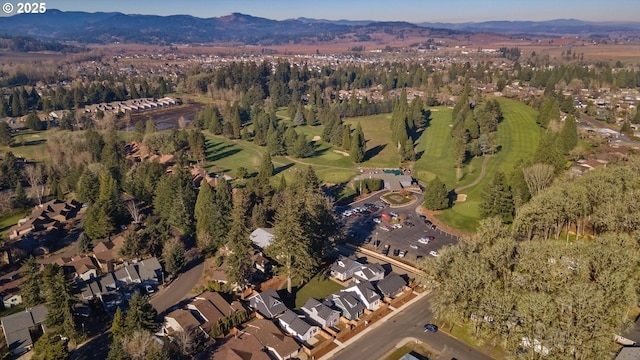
(318, 287)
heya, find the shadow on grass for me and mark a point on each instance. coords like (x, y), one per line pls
(373, 151)
(222, 155)
(282, 168)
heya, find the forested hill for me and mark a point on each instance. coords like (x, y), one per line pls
(112, 27)
(27, 44)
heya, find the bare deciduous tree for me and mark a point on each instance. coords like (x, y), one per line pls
(538, 177)
(5, 201)
(35, 179)
(134, 210)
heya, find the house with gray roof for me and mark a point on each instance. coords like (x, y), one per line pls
(391, 285)
(350, 307)
(268, 303)
(22, 330)
(321, 313)
(262, 237)
(366, 292)
(369, 272)
(296, 325)
(344, 267)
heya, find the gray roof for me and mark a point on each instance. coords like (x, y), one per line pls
(268, 303)
(391, 181)
(150, 269)
(345, 265)
(295, 322)
(346, 301)
(262, 237)
(370, 272)
(367, 290)
(16, 328)
(321, 310)
(391, 284)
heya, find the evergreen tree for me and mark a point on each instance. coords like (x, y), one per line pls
(141, 315)
(239, 243)
(550, 151)
(5, 134)
(174, 256)
(84, 244)
(407, 152)
(266, 169)
(33, 122)
(118, 328)
(204, 211)
(626, 128)
(59, 301)
(569, 134)
(31, 290)
(497, 199)
(358, 145)
(436, 195)
(346, 138)
(51, 346)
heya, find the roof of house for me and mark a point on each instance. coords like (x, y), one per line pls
(262, 237)
(313, 306)
(16, 328)
(295, 322)
(268, 303)
(391, 284)
(368, 272)
(349, 302)
(240, 347)
(345, 264)
(270, 336)
(210, 315)
(220, 303)
(185, 319)
(150, 269)
(367, 291)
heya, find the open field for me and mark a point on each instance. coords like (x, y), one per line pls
(380, 151)
(30, 145)
(518, 135)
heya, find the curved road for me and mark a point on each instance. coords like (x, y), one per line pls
(383, 336)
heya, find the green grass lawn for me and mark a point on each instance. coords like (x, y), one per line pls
(10, 219)
(378, 135)
(318, 287)
(30, 145)
(518, 136)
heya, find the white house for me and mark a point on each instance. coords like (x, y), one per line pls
(365, 292)
(295, 325)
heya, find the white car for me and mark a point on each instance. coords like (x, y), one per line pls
(396, 226)
(382, 227)
(433, 253)
(424, 240)
(377, 220)
(414, 246)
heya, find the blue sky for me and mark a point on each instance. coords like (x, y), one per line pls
(405, 10)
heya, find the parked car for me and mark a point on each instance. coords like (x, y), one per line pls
(396, 226)
(385, 250)
(430, 327)
(402, 253)
(396, 252)
(414, 246)
(408, 223)
(376, 243)
(423, 217)
(433, 253)
(426, 239)
(383, 227)
(393, 214)
(377, 220)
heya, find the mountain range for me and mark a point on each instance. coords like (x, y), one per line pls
(112, 27)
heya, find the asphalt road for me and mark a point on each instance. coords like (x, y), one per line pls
(179, 288)
(407, 324)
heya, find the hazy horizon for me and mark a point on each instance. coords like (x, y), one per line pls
(414, 11)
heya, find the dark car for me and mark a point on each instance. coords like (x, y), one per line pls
(376, 243)
(385, 250)
(423, 217)
(431, 328)
(396, 252)
(408, 223)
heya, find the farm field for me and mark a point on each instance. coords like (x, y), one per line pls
(518, 135)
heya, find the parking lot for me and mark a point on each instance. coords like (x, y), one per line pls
(372, 224)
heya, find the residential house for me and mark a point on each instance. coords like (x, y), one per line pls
(79, 266)
(369, 272)
(268, 303)
(22, 330)
(243, 346)
(391, 285)
(272, 339)
(260, 262)
(211, 307)
(180, 321)
(366, 292)
(262, 237)
(295, 325)
(107, 253)
(47, 217)
(321, 313)
(350, 307)
(344, 268)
